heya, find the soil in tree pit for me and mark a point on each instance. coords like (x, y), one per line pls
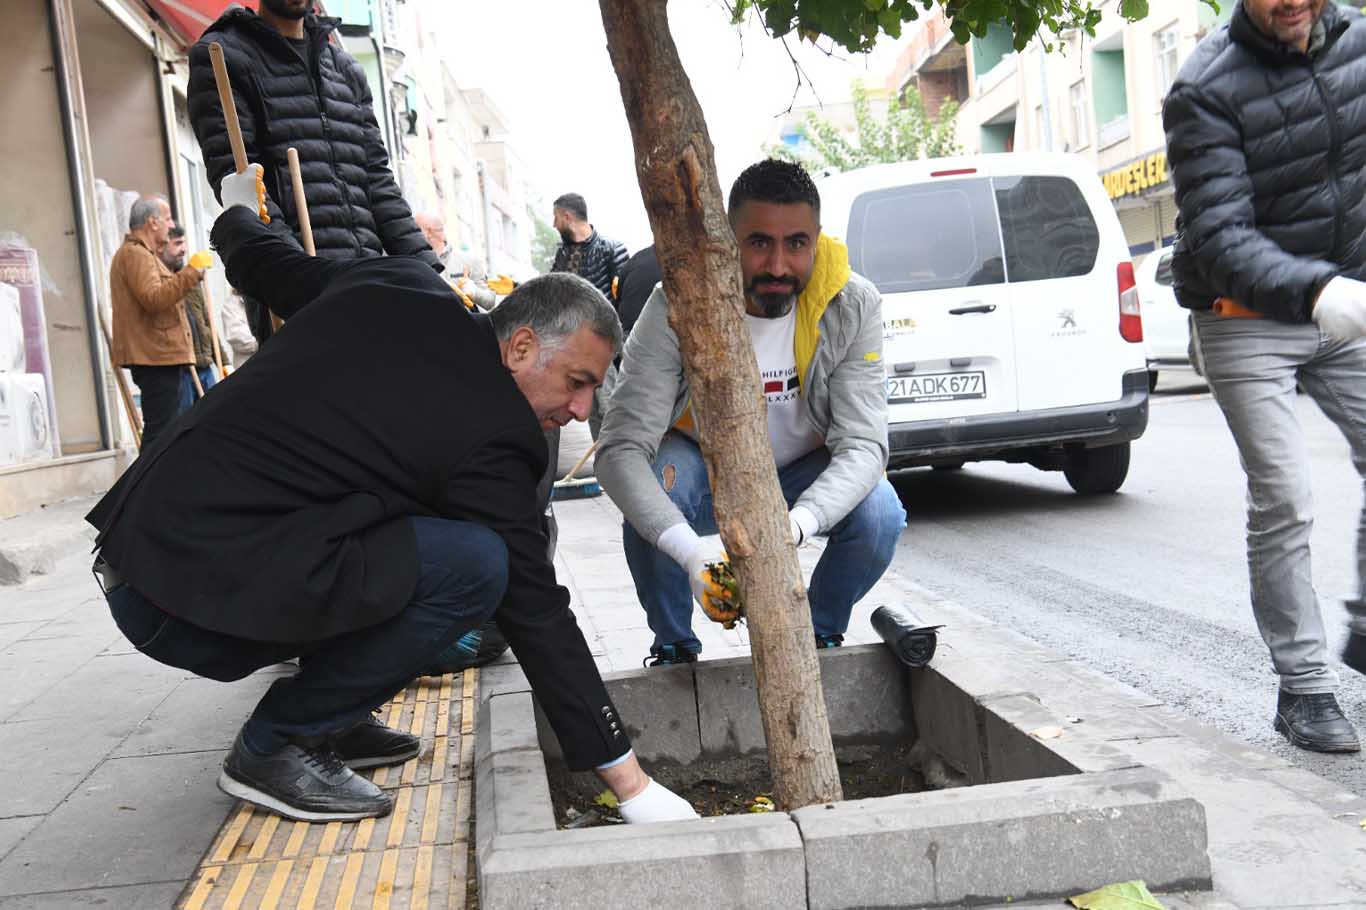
(734, 786)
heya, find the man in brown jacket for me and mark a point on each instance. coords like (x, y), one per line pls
(196, 310)
(151, 333)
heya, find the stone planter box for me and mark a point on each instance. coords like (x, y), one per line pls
(1042, 818)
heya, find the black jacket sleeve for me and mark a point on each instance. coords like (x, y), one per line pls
(1215, 194)
(394, 222)
(265, 266)
(534, 615)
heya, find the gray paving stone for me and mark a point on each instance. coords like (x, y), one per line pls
(743, 861)
(31, 668)
(1028, 839)
(11, 632)
(108, 693)
(521, 793)
(198, 715)
(512, 723)
(13, 830)
(159, 896)
(866, 700)
(41, 762)
(134, 821)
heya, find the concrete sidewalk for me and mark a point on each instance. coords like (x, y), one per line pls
(107, 795)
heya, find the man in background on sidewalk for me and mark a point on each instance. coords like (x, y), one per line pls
(817, 333)
(583, 251)
(295, 87)
(151, 332)
(1270, 256)
(464, 271)
(196, 312)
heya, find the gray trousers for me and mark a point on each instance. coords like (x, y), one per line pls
(1252, 366)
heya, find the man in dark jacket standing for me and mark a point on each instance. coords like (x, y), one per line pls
(1266, 136)
(298, 512)
(295, 87)
(583, 251)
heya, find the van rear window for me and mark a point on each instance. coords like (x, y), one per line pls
(946, 233)
(926, 236)
(1047, 226)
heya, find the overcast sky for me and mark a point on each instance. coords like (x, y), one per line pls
(546, 66)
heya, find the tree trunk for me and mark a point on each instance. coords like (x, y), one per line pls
(701, 270)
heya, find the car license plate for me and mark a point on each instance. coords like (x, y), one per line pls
(936, 387)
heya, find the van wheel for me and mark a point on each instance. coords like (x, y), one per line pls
(1100, 470)
(1152, 380)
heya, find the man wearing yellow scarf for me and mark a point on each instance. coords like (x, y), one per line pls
(816, 329)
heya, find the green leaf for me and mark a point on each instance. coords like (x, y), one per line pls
(1122, 896)
(1133, 9)
(607, 799)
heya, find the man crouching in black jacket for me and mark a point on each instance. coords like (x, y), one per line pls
(360, 495)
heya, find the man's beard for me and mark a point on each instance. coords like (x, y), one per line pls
(285, 9)
(773, 305)
(174, 263)
(566, 235)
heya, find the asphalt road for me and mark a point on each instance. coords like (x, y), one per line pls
(1150, 585)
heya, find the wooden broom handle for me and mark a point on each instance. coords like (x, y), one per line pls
(296, 180)
(220, 76)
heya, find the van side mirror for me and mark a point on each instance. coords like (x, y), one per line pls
(1164, 271)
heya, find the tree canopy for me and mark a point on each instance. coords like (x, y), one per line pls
(905, 133)
(855, 24)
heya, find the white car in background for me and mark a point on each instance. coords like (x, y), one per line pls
(1011, 326)
(1166, 324)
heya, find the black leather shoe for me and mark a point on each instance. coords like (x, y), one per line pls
(1354, 652)
(1315, 722)
(475, 648)
(370, 744)
(305, 783)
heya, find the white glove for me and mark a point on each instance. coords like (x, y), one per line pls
(805, 524)
(247, 189)
(1340, 310)
(656, 803)
(692, 553)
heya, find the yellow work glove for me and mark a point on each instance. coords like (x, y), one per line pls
(502, 285)
(247, 189)
(708, 570)
(201, 260)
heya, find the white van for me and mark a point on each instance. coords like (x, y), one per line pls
(1010, 313)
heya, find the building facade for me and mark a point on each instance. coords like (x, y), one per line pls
(1100, 97)
(92, 93)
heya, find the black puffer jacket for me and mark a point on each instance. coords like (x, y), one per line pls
(1267, 148)
(597, 260)
(322, 107)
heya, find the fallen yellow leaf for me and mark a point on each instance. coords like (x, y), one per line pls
(1120, 896)
(606, 799)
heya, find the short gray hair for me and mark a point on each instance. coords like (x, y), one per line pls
(145, 209)
(556, 306)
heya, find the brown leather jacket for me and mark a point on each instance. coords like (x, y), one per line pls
(150, 328)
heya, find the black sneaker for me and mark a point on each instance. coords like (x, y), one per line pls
(829, 641)
(305, 783)
(473, 649)
(1315, 722)
(370, 744)
(664, 655)
(1354, 652)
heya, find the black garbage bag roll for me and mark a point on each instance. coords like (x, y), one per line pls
(911, 640)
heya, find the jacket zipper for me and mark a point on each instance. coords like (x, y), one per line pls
(1334, 150)
(315, 74)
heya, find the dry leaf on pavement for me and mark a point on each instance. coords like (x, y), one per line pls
(1121, 896)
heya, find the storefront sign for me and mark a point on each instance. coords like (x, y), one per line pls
(1135, 177)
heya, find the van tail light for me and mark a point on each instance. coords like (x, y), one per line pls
(1130, 321)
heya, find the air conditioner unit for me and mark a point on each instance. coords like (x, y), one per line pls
(24, 423)
(12, 356)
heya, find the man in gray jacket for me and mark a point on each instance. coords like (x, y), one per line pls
(817, 334)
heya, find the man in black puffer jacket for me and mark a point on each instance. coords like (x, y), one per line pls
(1266, 137)
(295, 87)
(585, 252)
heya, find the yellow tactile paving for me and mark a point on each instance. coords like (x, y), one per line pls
(413, 859)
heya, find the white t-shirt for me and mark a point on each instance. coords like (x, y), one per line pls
(789, 431)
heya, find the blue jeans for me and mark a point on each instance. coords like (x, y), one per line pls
(859, 550)
(1253, 366)
(461, 581)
